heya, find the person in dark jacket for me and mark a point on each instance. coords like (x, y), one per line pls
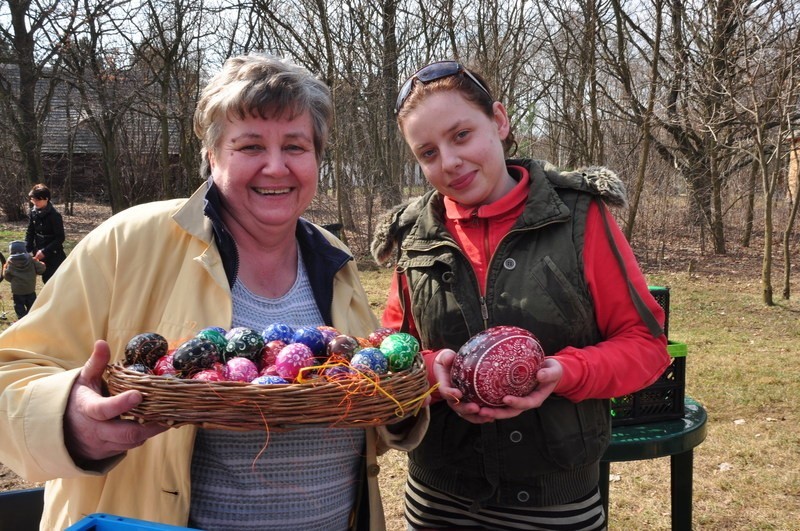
(20, 271)
(45, 236)
(500, 241)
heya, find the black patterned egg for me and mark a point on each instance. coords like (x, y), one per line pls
(195, 355)
(243, 343)
(146, 349)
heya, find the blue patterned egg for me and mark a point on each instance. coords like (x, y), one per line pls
(370, 359)
(279, 331)
(244, 343)
(400, 349)
(310, 337)
(268, 379)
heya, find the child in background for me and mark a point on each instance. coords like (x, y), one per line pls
(20, 270)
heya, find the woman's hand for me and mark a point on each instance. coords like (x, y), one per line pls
(548, 376)
(92, 428)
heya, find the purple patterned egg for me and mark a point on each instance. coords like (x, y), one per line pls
(310, 337)
(146, 349)
(328, 333)
(291, 359)
(240, 369)
(269, 380)
(400, 349)
(499, 361)
(195, 355)
(279, 331)
(339, 372)
(370, 359)
(343, 346)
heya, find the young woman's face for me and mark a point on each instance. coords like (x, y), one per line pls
(266, 171)
(459, 147)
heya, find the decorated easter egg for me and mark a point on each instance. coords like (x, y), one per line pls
(269, 380)
(377, 336)
(343, 346)
(499, 361)
(328, 333)
(339, 372)
(146, 349)
(270, 353)
(280, 331)
(400, 349)
(245, 343)
(270, 370)
(164, 367)
(292, 358)
(370, 359)
(310, 337)
(209, 375)
(139, 367)
(214, 334)
(240, 369)
(195, 355)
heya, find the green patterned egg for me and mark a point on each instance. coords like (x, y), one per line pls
(400, 349)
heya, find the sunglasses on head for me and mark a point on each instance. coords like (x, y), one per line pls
(432, 72)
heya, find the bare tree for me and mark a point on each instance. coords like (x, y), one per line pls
(32, 34)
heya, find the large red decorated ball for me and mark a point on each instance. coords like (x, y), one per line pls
(500, 361)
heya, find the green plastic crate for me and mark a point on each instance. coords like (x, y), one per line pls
(662, 400)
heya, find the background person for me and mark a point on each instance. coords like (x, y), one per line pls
(236, 253)
(512, 242)
(20, 271)
(44, 238)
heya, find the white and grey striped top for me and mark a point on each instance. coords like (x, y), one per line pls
(304, 479)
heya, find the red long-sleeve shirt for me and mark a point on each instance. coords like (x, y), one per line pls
(627, 359)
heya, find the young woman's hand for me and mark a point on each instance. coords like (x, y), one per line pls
(548, 376)
(93, 430)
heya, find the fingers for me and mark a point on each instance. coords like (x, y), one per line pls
(93, 429)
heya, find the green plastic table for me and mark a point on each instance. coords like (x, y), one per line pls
(676, 438)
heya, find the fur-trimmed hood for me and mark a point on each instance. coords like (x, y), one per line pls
(596, 180)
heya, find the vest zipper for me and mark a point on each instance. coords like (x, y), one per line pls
(484, 312)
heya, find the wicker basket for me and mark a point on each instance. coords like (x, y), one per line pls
(239, 406)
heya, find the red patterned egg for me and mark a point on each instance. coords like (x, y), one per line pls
(499, 361)
(292, 358)
(164, 366)
(270, 352)
(377, 337)
(240, 370)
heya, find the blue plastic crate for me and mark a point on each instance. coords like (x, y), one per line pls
(109, 522)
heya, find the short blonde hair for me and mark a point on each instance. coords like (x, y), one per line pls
(265, 86)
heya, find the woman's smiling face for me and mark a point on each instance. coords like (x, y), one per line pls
(459, 147)
(266, 171)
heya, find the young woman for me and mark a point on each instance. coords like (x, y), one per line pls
(512, 242)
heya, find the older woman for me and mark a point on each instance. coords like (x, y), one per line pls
(236, 253)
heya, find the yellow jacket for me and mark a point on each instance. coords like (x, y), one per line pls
(151, 268)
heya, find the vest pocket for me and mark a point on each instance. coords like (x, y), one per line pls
(563, 299)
